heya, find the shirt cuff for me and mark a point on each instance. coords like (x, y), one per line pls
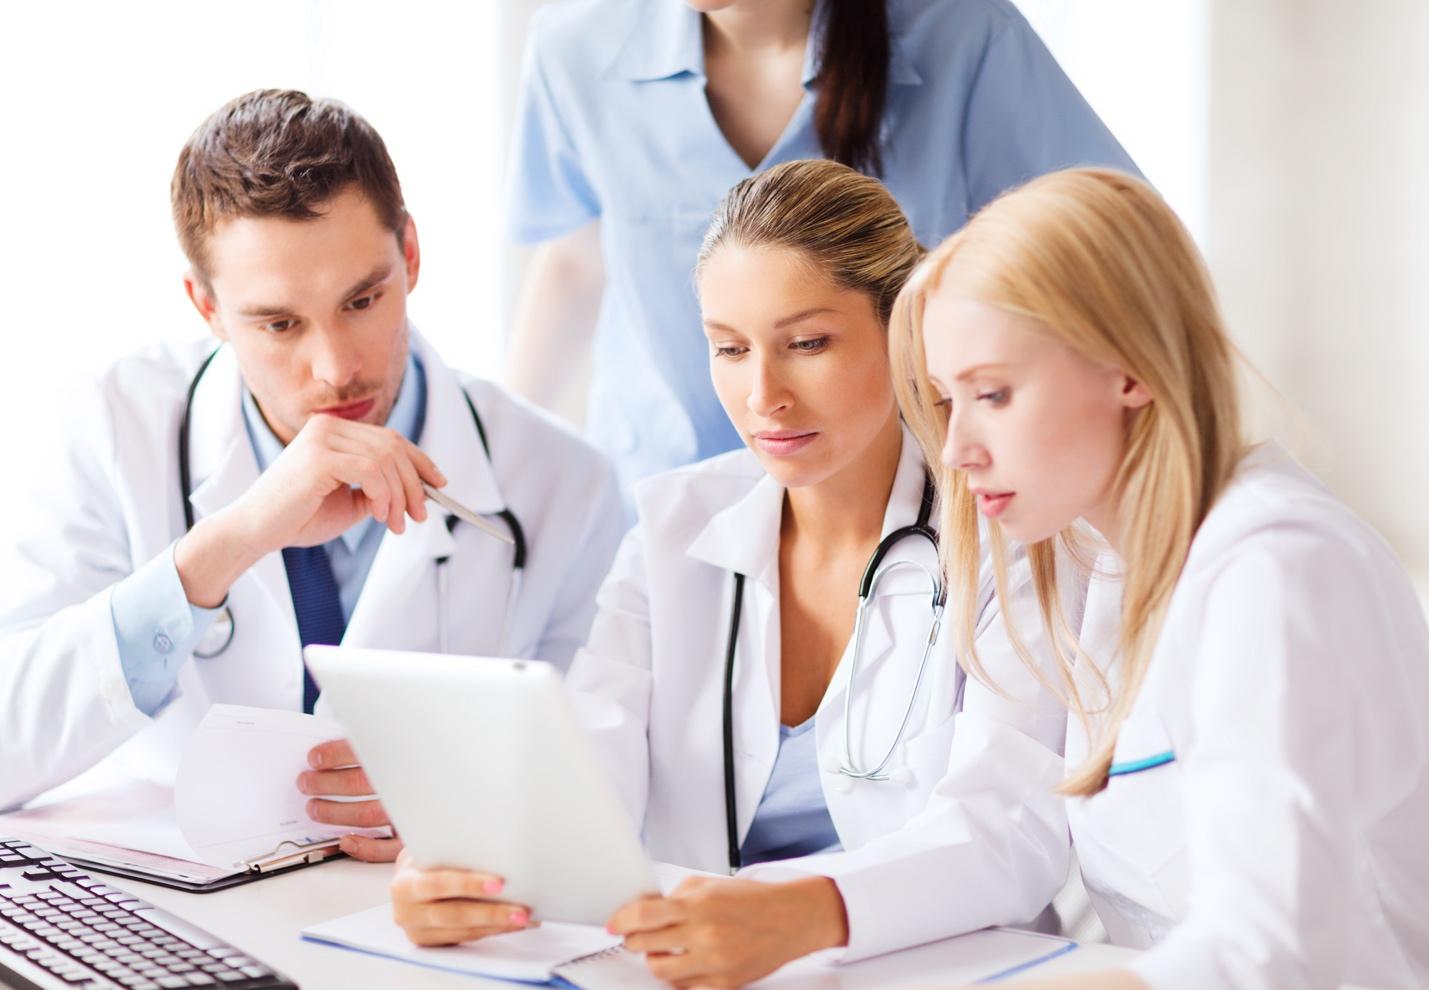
(157, 628)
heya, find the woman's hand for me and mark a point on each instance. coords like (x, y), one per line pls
(444, 907)
(726, 933)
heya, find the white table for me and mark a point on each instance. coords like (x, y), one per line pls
(264, 918)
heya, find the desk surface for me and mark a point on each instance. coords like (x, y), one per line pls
(264, 919)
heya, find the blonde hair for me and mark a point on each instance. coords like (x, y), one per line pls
(1103, 264)
(847, 225)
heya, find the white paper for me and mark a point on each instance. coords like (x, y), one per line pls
(236, 795)
(528, 955)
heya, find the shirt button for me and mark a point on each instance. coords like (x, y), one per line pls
(163, 644)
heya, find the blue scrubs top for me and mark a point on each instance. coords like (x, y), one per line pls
(614, 125)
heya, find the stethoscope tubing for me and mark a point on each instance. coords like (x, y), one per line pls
(518, 534)
(867, 585)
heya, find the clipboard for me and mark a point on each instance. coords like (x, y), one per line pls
(195, 878)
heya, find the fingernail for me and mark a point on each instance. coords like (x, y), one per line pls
(492, 886)
(312, 809)
(519, 918)
(315, 759)
(302, 783)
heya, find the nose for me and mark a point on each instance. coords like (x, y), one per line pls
(963, 450)
(768, 393)
(333, 359)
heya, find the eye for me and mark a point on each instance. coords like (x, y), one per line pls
(729, 350)
(811, 346)
(363, 302)
(278, 326)
(996, 397)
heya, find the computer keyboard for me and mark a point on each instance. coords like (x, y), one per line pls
(60, 927)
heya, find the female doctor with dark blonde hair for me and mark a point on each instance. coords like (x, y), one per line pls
(886, 805)
(1249, 761)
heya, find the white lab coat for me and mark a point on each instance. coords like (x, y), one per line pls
(112, 504)
(1287, 845)
(968, 833)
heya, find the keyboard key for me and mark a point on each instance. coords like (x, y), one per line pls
(174, 981)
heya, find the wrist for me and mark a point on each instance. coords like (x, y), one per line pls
(211, 556)
(816, 907)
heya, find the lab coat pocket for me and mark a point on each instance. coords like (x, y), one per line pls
(1139, 818)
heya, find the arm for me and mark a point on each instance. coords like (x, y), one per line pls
(991, 846)
(555, 321)
(1025, 118)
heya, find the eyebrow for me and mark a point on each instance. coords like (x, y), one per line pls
(779, 324)
(375, 277)
(967, 373)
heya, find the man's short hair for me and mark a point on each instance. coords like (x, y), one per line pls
(278, 153)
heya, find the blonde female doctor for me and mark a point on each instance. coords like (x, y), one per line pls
(750, 714)
(1250, 761)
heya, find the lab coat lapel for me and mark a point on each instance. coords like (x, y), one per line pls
(744, 538)
(402, 571)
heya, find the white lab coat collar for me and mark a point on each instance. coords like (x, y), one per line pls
(744, 537)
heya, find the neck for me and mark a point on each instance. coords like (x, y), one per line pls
(762, 25)
(847, 509)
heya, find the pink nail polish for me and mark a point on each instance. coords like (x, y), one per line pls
(519, 918)
(492, 886)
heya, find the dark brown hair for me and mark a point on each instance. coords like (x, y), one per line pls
(846, 224)
(278, 153)
(853, 82)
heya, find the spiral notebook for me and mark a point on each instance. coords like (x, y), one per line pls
(586, 957)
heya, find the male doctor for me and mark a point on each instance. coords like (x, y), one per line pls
(206, 519)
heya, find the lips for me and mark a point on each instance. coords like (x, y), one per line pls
(993, 504)
(353, 410)
(782, 443)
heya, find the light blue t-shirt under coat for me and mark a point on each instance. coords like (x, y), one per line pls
(614, 125)
(156, 626)
(792, 818)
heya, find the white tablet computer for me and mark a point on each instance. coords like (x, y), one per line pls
(481, 764)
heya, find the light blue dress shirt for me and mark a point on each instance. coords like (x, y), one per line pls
(792, 818)
(154, 622)
(614, 125)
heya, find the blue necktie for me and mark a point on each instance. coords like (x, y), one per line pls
(316, 602)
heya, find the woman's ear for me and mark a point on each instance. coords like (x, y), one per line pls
(1133, 394)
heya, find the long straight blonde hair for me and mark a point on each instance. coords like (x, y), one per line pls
(1103, 264)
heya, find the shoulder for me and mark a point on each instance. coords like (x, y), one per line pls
(1278, 544)
(682, 501)
(158, 373)
(581, 38)
(516, 429)
(951, 25)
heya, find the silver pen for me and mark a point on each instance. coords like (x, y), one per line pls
(465, 514)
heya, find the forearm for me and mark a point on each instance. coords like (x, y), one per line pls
(816, 907)
(1102, 979)
(213, 555)
(556, 319)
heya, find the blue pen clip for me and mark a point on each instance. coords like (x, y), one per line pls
(1147, 763)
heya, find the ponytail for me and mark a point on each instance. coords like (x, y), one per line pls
(853, 82)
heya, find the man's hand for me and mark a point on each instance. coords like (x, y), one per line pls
(725, 933)
(336, 773)
(446, 907)
(333, 474)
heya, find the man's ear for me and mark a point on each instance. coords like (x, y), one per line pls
(202, 298)
(1133, 394)
(411, 253)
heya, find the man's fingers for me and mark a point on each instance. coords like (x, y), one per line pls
(331, 755)
(412, 487)
(356, 814)
(370, 850)
(351, 782)
(672, 938)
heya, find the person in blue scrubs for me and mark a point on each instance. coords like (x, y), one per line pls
(637, 116)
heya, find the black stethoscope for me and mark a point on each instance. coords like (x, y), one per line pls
(220, 635)
(872, 574)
